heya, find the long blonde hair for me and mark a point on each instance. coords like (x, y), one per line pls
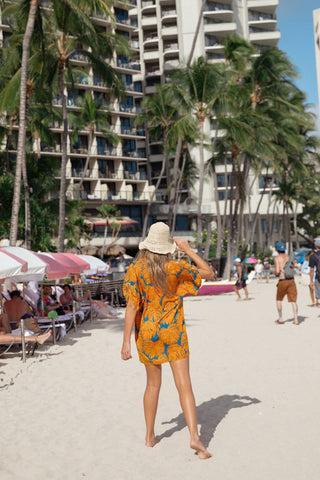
(156, 264)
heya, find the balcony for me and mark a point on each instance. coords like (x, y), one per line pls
(149, 21)
(220, 27)
(148, 6)
(170, 49)
(128, 65)
(268, 37)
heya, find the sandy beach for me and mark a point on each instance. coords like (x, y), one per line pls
(74, 410)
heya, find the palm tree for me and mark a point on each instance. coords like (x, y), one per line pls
(107, 212)
(197, 88)
(160, 112)
(92, 116)
(32, 5)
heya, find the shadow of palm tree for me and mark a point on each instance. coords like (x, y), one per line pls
(209, 415)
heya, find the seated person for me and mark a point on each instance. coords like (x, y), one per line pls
(48, 303)
(68, 296)
(15, 335)
(15, 309)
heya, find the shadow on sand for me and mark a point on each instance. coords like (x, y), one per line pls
(209, 415)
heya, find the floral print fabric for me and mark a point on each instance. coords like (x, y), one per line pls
(160, 329)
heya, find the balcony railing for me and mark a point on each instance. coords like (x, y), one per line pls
(217, 7)
(102, 195)
(253, 17)
(166, 13)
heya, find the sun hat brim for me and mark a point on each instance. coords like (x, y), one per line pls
(162, 249)
(158, 240)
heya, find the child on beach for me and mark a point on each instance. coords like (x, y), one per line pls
(154, 287)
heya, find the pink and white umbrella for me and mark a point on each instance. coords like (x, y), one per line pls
(10, 265)
(36, 268)
(55, 269)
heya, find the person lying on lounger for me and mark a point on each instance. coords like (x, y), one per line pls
(15, 335)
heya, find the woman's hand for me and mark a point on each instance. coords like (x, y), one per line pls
(182, 245)
(126, 351)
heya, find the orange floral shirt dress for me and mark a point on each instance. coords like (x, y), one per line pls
(160, 329)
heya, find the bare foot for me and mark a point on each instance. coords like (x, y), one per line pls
(238, 299)
(43, 338)
(200, 449)
(295, 322)
(151, 443)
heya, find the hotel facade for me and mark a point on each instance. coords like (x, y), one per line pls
(161, 33)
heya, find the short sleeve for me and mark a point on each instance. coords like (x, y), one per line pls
(189, 279)
(131, 286)
(313, 261)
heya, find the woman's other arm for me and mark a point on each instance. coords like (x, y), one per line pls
(204, 269)
(129, 320)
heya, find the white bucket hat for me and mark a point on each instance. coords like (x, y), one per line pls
(158, 240)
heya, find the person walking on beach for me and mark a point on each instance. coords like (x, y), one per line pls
(313, 262)
(259, 269)
(154, 288)
(285, 286)
(266, 269)
(305, 278)
(241, 281)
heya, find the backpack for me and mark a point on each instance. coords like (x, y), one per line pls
(288, 269)
(245, 272)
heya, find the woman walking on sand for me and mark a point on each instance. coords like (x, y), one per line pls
(154, 287)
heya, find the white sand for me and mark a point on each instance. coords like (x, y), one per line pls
(74, 410)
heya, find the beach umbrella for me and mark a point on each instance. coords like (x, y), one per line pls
(250, 260)
(55, 269)
(70, 261)
(36, 267)
(95, 264)
(10, 265)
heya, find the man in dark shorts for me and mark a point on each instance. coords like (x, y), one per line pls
(241, 282)
(286, 286)
(313, 262)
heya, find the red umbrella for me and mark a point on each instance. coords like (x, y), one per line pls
(55, 269)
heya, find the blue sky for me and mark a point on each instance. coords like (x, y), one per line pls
(295, 22)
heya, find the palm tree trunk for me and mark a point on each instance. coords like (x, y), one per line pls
(173, 189)
(163, 167)
(295, 224)
(254, 223)
(63, 180)
(104, 238)
(87, 162)
(208, 240)
(21, 148)
(201, 181)
(178, 189)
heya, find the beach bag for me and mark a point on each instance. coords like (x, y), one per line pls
(30, 323)
(288, 269)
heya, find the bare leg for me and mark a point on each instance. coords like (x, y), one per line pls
(181, 375)
(295, 313)
(312, 295)
(246, 292)
(237, 292)
(279, 308)
(150, 401)
(5, 338)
